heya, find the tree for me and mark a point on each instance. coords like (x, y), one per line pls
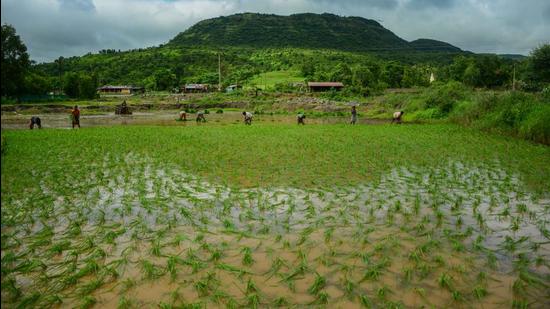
(37, 84)
(472, 75)
(87, 86)
(165, 79)
(15, 62)
(540, 63)
(392, 74)
(362, 76)
(71, 84)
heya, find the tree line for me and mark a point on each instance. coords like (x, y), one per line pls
(167, 66)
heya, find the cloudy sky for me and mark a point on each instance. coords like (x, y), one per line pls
(53, 28)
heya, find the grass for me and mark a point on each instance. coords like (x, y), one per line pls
(218, 215)
(269, 80)
(273, 155)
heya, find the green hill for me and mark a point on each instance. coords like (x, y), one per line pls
(318, 46)
(428, 45)
(325, 31)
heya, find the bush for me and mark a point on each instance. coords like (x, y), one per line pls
(444, 96)
(536, 126)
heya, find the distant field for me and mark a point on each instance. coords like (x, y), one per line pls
(270, 79)
(274, 215)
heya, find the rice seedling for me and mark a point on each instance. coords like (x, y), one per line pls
(247, 256)
(365, 301)
(445, 281)
(317, 285)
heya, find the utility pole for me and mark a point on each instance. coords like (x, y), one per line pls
(514, 79)
(219, 72)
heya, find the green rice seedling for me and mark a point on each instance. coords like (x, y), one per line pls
(233, 269)
(445, 281)
(253, 300)
(202, 287)
(479, 292)
(90, 286)
(492, 260)
(372, 273)
(365, 301)
(408, 273)
(520, 304)
(521, 208)
(126, 303)
(150, 270)
(30, 300)
(382, 292)
(317, 285)
(328, 234)
(349, 288)
(219, 296)
(280, 302)
(321, 299)
(87, 302)
(247, 256)
(457, 296)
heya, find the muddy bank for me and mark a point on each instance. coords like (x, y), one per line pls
(164, 118)
(60, 108)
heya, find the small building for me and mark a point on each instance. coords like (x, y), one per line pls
(232, 88)
(119, 90)
(324, 86)
(190, 88)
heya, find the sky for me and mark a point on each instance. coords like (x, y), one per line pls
(54, 28)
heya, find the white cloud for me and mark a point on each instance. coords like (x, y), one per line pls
(53, 28)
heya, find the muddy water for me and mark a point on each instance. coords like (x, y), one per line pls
(152, 235)
(163, 118)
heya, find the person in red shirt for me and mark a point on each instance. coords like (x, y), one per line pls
(75, 114)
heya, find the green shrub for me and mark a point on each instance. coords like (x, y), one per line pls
(444, 96)
(536, 126)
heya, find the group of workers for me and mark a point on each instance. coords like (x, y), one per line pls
(75, 117)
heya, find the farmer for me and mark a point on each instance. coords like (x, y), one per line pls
(35, 121)
(247, 118)
(200, 116)
(75, 116)
(183, 116)
(301, 118)
(353, 115)
(397, 117)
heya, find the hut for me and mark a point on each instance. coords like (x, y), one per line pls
(232, 88)
(191, 88)
(119, 90)
(324, 86)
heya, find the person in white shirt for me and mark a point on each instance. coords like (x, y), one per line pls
(247, 118)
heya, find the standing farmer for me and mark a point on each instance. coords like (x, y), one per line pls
(353, 115)
(75, 115)
(247, 118)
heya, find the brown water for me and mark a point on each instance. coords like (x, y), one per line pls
(164, 118)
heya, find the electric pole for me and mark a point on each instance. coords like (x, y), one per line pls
(514, 79)
(219, 72)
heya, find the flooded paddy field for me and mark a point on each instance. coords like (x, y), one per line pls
(163, 118)
(121, 225)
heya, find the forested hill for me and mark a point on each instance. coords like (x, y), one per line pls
(326, 31)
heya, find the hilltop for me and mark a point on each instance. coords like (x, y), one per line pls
(308, 30)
